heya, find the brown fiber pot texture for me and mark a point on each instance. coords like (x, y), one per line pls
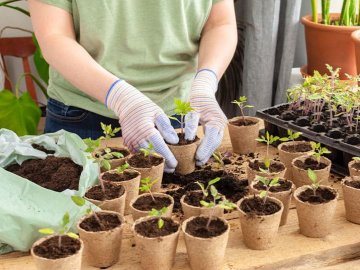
(72, 262)
(300, 176)
(315, 220)
(206, 253)
(353, 171)
(136, 214)
(193, 211)
(329, 44)
(116, 205)
(352, 201)
(185, 156)
(131, 189)
(283, 196)
(243, 138)
(102, 249)
(287, 157)
(260, 232)
(156, 253)
(251, 174)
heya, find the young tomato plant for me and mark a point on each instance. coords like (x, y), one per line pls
(158, 214)
(269, 140)
(121, 169)
(268, 183)
(146, 185)
(219, 160)
(149, 151)
(205, 191)
(357, 159)
(181, 109)
(292, 136)
(318, 151)
(314, 181)
(241, 102)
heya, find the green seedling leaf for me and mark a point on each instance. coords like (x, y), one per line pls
(161, 223)
(47, 231)
(182, 108)
(65, 219)
(117, 154)
(312, 175)
(356, 158)
(263, 194)
(105, 164)
(122, 168)
(214, 181)
(79, 201)
(92, 145)
(72, 235)
(202, 187)
(227, 205)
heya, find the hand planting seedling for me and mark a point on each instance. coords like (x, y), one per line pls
(268, 183)
(205, 191)
(314, 183)
(158, 214)
(269, 140)
(146, 185)
(241, 102)
(318, 151)
(181, 109)
(79, 201)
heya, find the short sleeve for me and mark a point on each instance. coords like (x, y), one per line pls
(63, 4)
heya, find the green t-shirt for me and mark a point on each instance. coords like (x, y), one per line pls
(152, 44)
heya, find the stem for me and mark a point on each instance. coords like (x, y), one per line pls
(59, 240)
(314, 11)
(325, 5)
(99, 221)
(101, 181)
(182, 124)
(152, 196)
(242, 114)
(358, 13)
(211, 214)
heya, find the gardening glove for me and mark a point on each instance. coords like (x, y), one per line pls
(212, 118)
(138, 116)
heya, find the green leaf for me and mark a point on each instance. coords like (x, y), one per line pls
(42, 67)
(65, 219)
(106, 165)
(47, 231)
(79, 201)
(214, 181)
(203, 203)
(118, 154)
(161, 223)
(72, 235)
(214, 191)
(263, 194)
(312, 175)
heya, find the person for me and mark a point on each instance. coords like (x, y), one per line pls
(124, 61)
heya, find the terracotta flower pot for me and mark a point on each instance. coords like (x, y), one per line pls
(315, 220)
(283, 196)
(351, 200)
(185, 156)
(260, 232)
(102, 248)
(356, 39)
(251, 173)
(206, 253)
(329, 44)
(158, 252)
(115, 163)
(243, 138)
(131, 189)
(353, 171)
(136, 213)
(70, 262)
(300, 176)
(287, 157)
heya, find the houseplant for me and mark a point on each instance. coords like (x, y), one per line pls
(351, 193)
(315, 207)
(243, 130)
(354, 166)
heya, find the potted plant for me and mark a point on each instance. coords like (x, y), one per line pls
(156, 239)
(149, 164)
(62, 249)
(260, 218)
(316, 162)
(141, 205)
(328, 38)
(185, 150)
(283, 192)
(354, 166)
(351, 193)
(315, 207)
(266, 167)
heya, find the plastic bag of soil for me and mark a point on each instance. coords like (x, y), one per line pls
(25, 206)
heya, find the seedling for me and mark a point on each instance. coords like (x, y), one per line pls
(181, 109)
(314, 181)
(149, 151)
(108, 132)
(158, 214)
(318, 151)
(63, 230)
(79, 201)
(122, 168)
(357, 159)
(268, 183)
(205, 191)
(219, 159)
(269, 140)
(241, 102)
(292, 136)
(146, 185)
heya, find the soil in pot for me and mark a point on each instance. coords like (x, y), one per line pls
(274, 167)
(50, 249)
(283, 186)
(322, 195)
(150, 228)
(318, 127)
(256, 206)
(356, 166)
(194, 198)
(108, 222)
(353, 184)
(197, 227)
(119, 177)
(310, 163)
(241, 122)
(140, 161)
(124, 152)
(54, 173)
(111, 192)
(335, 134)
(288, 116)
(183, 141)
(352, 139)
(297, 148)
(42, 148)
(146, 203)
(303, 121)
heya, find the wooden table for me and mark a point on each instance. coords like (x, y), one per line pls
(340, 250)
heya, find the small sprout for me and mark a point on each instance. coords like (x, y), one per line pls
(149, 151)
(204, 190)
(241, 102)
(318, 151)
(356, 158)
(314, 181)
(219, 159)
(268, 183)
(181, 109)
(269, 140)
(80, 201)
(292, 136)
(108, 131)
(159, 214)
(122, 168)
(146, 185)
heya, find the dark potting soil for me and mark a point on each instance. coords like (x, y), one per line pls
(318, 127)
(335, 134)
(303, 121)
(146, 203)
(111, 192)
(124, 152)
(197, 227)
(55, 173)
(183, 141)
(356, 166)
(354, 184)
(322, 195)
(297, 148)
(140, 161)
(353, 139)
(256, 206)
(193, 198)
(120, 177)
(151, 229)
(310, 163)
(284, 186)
(274, 167)
(108, 222)
(50, 248)
(288, 116)
(43, 149)
(240, 122)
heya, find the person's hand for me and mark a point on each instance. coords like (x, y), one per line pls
(212, 118)
(138, 116)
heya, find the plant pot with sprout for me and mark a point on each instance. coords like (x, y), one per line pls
(156, 238)
(354, 166)
(316, 162)
(61, 250)
(149, 164)
(243, 130)
(351, 193)
(141, 205)
(260, 217)
(185, 150)
(315, 207)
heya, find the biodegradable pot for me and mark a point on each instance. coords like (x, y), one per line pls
(119, 161)
(251, 174)
(72, 262)
(243, 138)
(329, 44)
(283, 196)
(131, 189)
(352, 170)
(260, 232)
(136, 214)
(300, 176)
(351, 200)
(206, 253)
(185, 156)
(156, 253)
(102, 249)
(193, 211)
(315, 220)
(287, 157)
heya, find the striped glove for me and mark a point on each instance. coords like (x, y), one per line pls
(138, 116)
(212, 118)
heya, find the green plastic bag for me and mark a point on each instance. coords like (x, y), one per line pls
(24, 206)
